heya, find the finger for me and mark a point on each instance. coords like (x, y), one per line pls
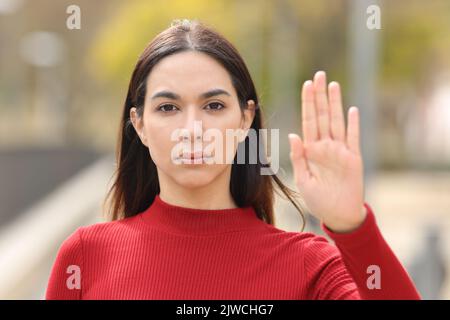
(353, 130)
(336, 112)
(309, 118)
(320, 94)
(298, 158)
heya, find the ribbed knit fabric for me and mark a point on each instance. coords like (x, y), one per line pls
(171, 252)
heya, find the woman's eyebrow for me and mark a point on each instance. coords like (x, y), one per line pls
(166, 94)
(174, 96)
(214, 92)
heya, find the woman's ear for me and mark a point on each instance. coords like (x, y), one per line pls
(138, 125)
(249, 115)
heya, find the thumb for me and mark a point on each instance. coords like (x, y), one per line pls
(298, 158)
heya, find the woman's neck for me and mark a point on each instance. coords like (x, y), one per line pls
(215, 195)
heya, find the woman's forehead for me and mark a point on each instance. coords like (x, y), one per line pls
(188, 73)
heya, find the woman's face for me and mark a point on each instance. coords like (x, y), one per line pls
(181, 118)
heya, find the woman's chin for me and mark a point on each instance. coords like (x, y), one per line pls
(194, 179)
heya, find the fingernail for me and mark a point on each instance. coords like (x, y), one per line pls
(291, 137)
(334, 83)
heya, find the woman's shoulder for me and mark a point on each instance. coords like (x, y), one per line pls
(305, 239)
(99, 232)
(308, 248)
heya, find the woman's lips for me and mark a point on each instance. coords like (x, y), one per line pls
(194, 157)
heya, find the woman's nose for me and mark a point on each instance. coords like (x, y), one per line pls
(193, 128)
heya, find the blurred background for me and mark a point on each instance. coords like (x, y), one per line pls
(64, 72)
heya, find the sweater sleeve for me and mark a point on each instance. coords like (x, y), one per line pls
(65, 277)
(360, 266)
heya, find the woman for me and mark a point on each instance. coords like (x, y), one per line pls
(185, 227)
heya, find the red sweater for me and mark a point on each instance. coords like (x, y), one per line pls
(171, 252)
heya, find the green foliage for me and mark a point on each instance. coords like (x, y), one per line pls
(123, 37)
(413, 37)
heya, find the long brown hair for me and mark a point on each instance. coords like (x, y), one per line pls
(136, 181)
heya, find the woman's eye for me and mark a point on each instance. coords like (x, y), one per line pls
(215, 106)
(167, 108)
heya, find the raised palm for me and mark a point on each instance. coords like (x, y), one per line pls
(327, 163)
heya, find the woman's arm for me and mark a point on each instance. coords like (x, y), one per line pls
(65, 277)
(328, 172)
(360, 266)
(327, 162)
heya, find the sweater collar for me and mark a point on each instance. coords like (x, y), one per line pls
(176, 219)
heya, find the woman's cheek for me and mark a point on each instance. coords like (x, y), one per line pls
(230, 145)
(157, 145)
